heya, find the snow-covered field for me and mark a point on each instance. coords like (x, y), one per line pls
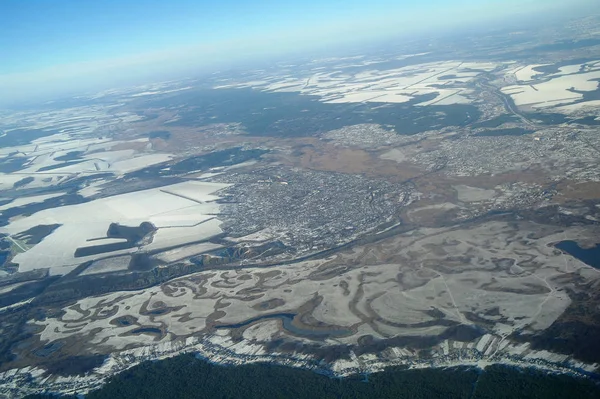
(562, 91)
(95, 156)
(528, 72)
(187, 251)
(17, 202)
(182, 213)
(446, 79)
(399, 296)
(402, 299)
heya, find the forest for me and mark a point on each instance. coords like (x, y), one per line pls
(186, 376)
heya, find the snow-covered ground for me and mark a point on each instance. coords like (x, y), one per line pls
(184, 212)
(397, 85)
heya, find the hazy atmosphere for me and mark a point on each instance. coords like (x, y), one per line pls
(285, 199)
(54, 48)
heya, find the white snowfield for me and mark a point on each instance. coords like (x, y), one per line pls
(183, 213)
(52, 159)
(562, 91)
(17, 202)
(528, 72)
(398, 297)
(447, 80)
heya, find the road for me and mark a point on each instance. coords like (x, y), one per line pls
(17, 244)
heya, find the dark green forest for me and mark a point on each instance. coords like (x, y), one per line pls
(186, 376)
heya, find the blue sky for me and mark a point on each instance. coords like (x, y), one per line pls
(41, 33)
(55, 45)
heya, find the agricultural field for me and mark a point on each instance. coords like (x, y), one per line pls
(566, 88)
